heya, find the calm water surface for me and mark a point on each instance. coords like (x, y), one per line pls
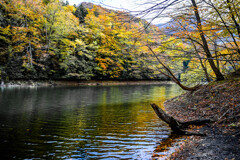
(111, 122)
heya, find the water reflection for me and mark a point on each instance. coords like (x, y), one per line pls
(82, 122)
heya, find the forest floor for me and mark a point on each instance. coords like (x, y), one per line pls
(219, 101)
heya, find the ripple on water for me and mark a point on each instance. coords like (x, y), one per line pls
(114, 122)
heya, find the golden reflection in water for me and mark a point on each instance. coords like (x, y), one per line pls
(61, 123)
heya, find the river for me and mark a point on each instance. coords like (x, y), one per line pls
(87, 122)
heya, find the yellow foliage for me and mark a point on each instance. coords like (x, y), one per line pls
(79, 42)
(6, 30)
(69, 8)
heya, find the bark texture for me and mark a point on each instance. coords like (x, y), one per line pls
(177, 126)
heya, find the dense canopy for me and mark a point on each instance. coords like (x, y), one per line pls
(49, 39)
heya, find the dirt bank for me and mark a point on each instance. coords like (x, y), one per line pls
(219, 101)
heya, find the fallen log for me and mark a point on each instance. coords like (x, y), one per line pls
(177, 126)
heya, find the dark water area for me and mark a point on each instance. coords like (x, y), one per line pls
(88, 122)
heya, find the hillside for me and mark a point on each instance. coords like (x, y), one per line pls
(44, 40)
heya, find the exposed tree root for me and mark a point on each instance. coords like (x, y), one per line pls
(177, 126)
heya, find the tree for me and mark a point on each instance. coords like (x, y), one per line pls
(26, 20)
(217, 72)
(60, 24)
(81, 12)
(192, 22)
(116, 44)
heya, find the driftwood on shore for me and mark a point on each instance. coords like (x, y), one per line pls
(177, 126)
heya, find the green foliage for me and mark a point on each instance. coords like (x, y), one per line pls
(74, 68)
(81, 13)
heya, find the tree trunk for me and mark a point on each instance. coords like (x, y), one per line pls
(226, 26)
(30, 52)
(177, 126)
(201, 62)
(199, 57)
(233, 18)
(217, 72)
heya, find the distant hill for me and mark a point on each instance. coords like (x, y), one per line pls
(127, 17)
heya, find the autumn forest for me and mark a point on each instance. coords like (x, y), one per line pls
(50, 39)
(83, 81)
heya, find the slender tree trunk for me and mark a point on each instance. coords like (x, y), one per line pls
(46, 27)
(216, 54)
(199, 57)
(236, 11)
(233, 18)
(216, 71)
(30, 52)
(226, 26)
(201, 62)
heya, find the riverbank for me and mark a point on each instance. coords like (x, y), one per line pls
(32, 83)
(219, 101)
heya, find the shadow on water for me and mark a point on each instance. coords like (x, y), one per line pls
(111, 122)
(167, 146)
